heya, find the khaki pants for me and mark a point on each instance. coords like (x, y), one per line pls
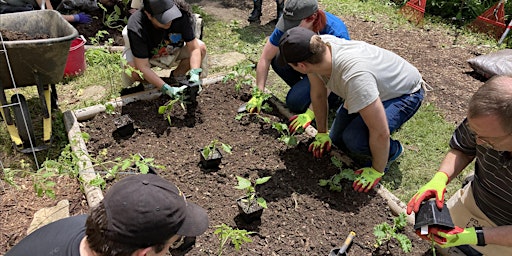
(465, 213)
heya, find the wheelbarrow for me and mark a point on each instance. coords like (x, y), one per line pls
(39, 62)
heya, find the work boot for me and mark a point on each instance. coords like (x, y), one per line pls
(280, 7)
(256, 12)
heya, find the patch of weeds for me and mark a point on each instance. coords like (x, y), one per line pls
(385, 232)
(288, 138)
(334, 182)
(237, 237)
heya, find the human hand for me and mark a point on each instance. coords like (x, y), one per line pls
(453, 237)
(194, 75)
(82, 18)
(254, 104)
(322, 143)
(367, 179)
(436, 187)
(302, 120)
(173, 92)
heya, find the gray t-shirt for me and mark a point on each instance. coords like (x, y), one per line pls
(362, 72)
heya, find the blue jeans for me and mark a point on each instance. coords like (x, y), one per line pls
(298, 98)
(350, 133)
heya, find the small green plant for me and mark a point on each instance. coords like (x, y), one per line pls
(334, 182)
(114, 19)
(241, 75)
(236, 236)
(286, 137)
(250, 190)
(110, 109)
(209, 149)
(385, 232)
(166, 109)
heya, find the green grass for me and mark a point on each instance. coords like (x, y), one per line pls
(425, 136)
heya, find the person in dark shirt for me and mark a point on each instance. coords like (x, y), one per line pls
(482, 209)
(160, 34)
(140, 215)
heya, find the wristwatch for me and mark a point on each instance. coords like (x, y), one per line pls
(480, 236)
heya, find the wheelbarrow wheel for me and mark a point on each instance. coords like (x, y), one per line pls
(25, 129)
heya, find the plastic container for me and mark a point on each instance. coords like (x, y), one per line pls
(75, 64)
(430, 215)
(41, 58)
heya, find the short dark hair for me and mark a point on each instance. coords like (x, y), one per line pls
(95, 229)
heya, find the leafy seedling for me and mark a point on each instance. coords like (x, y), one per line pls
(241, 75)
(334, 182)
(236, 236)
(250, 190)
(385, 232)
(209, 149)
(166, 109)
(286, 137)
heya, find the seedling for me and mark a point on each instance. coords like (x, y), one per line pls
(209, 149)
(113, 20)
(236, 236)
(241, 75)
(384, 233)
(334, 182)
(286, 137)
(250, 190)
(166, 109)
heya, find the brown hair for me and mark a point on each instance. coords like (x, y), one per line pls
(317, 48)
(99, 242)
(494, 98)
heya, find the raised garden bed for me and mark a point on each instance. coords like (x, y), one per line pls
(302, 218)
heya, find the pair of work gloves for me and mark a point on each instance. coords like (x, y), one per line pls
(82, 18)
(177, 92)
(436, 187)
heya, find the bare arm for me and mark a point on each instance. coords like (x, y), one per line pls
(498, 235)
(269, 52)
(149, 75)
(375, 119)
(319, 102)
(454, 162)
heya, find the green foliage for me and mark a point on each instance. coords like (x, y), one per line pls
(166, 109)
(286, 137)
(334, 182)
(250, 190)
(115, 19)
(385, 232)
(236, 236)
(110, 109)
(241, 75)
(209, 149)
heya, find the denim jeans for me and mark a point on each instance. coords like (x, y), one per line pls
(298, 98)
(349, 132)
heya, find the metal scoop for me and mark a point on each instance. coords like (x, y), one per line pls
(341, 251)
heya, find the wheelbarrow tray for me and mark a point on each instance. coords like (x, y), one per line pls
(41, 58)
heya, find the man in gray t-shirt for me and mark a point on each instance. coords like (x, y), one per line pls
(381, 91)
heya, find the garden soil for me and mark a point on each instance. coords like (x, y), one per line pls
(302, 218)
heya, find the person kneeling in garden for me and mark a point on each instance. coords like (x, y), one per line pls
(159, 34)
(482, 209)
(381, 91)
(140, 215)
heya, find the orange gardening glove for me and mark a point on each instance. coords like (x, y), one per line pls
(367, 179)
(303, 120)
(321, 144)
(436, 187)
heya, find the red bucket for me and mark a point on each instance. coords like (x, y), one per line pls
(75, 64)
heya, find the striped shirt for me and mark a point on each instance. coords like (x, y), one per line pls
(492, 186)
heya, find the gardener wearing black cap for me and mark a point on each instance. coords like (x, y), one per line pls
(381, 91)
(140, 215)
(158, 34)
(303, 13)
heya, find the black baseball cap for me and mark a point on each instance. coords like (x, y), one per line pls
(164, 11)
(146, 209)
(294, 12)
(294, 46)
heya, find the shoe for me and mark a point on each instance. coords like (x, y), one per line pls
(393, 158)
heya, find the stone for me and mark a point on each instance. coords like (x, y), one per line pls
(49, 215)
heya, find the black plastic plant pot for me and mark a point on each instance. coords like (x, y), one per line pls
(430, 215)
(211, 162)
(249, 211)
(191, 91)
(124, 126)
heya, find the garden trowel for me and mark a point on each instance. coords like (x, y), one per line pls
(242, 108)
(341, 251)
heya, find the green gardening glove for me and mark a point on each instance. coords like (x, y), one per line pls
(436, 187)
(367, 178)
(303, 120)
(173, 92)
(454, 237)
(321, 144)
(194, 75)
(254, 104)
